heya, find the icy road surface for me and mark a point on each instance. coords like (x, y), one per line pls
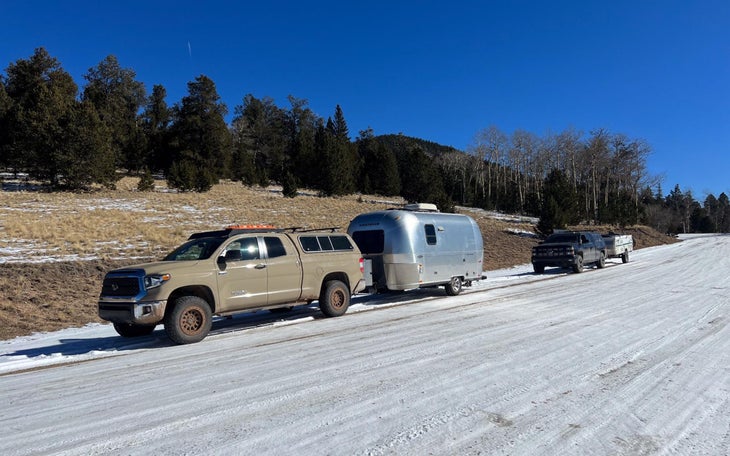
(633, 359)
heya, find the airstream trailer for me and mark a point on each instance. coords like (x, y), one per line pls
(418, 247)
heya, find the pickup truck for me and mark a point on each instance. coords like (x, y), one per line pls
(569, 249)
(618, 246)
(237, 269)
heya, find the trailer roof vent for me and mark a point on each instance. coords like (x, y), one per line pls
(421, 207)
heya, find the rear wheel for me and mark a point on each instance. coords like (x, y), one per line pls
(601, 261)
(130, 330)
(453, 288)
(578, 266)
(335, 299)
(189, 321)
(625, 257)
(539, 269)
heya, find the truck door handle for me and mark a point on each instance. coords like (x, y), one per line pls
(260, 266)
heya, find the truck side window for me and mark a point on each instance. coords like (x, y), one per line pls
(274, 247)
(309, 243)
(430, 235)
(325, 243)
(249, 249)
(340, 243)
(583, 239)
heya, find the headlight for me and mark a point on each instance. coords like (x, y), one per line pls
(155, 280)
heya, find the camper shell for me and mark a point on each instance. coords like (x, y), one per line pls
(417, 247)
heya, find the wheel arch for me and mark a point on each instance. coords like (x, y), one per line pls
(341, 276)
(201, 291)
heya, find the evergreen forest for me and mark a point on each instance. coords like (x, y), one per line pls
(72, 138)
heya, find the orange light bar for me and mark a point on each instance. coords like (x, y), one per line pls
(250, 227)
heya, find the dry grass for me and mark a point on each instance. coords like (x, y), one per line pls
(109, 229)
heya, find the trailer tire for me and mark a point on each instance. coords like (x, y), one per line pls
(130, 330)
(578, 266)
(539, 269)
(335, 299)
(453, 288)
(601, 261)
(625, 257)
(189, 321)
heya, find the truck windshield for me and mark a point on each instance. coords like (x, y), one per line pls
(195, 249)
(562, 238)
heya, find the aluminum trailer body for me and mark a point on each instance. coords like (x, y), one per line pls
(416, 249)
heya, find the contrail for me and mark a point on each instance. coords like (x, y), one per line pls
(190, 50)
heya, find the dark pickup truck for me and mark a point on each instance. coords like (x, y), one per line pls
(569, 249)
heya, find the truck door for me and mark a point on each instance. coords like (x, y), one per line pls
(284, 270)
(589, 249)
(242, 278)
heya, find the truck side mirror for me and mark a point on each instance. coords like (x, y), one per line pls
(221, 261)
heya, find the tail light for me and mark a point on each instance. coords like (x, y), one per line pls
(362, 266)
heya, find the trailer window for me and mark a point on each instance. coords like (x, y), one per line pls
(369, 242)
(430, 235)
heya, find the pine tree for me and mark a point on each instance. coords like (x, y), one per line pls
(202, 139)
(43, 97)
(118, 96)
(559, 204)
(155, 125)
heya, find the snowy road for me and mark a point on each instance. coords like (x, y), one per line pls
(630, 360)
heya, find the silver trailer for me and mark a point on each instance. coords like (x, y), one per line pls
(418, 247)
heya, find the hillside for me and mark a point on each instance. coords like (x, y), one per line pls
(56, 247)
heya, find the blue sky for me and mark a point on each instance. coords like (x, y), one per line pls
(441, 71)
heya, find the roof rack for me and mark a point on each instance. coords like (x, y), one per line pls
(331, 229)
(233, 230)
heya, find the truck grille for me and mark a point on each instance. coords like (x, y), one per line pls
(120, 286)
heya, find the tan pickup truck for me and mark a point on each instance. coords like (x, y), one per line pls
(237, 269)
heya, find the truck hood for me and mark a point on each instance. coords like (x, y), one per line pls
(554, 245)
(162, 267)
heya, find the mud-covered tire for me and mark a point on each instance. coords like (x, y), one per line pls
(578, 266)
(189, 321)
(453, 288)
(130, 330)
(625, 257)
(335, 299)
(539, 269)
(601, 261)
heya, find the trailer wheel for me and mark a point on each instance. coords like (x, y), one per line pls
(335, 299)
(601, 261)
(453, 288)
(578, 266)
(539, 269)
(129, 330)
(625, 256)
(189, 321)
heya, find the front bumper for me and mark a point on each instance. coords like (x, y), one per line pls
(564, 262)
(137, 313)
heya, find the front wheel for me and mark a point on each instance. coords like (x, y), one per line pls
(453, 288)
(578, 266)
(130, 330)
(335, 299)
(189, 321)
